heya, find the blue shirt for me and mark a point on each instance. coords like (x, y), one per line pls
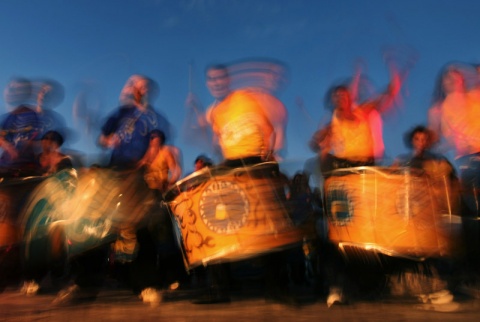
(133, 127)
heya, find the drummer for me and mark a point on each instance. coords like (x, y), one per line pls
(430, 273)
(454, 119)
(421, 140)
(240, 126)
(126, 133)
(246, 137)
(352, 138)
(355, 130)
(20, 129)
(162, 164)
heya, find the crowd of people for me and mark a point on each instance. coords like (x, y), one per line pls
(247, 126)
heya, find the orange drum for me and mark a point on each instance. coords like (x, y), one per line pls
(13, 194)
(397, 212)
(231, 214)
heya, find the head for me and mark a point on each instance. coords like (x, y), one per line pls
(138, 89)
(341, 99)
(453, 81)
(202, 161)
(18, 91)
(419, 139)
(218, 81)
(51, 141)
(157, 138)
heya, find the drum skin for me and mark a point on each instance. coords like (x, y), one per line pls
(229, 215)
(396, 212)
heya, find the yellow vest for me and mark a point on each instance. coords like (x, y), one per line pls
(240, 125)
(353, 139)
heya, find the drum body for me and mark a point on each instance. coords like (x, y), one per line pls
(231, 214)
(70, 214)
(393, 211)
(14, 193)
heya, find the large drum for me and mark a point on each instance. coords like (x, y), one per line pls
(70, 214)
(226, 214)
(397, 212)
(14, 191)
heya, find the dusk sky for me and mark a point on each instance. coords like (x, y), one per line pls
(98, 44)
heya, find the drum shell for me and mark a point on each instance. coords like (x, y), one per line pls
(395, 212)
(232, 215)
(73, 215)
(14, 193)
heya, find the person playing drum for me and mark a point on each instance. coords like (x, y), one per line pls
(355, 131)
(352, 138)
(239, 123)
(161, 162)
(454, 119)
(246, 137)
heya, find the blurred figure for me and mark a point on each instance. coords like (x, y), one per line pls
(202, 161)
(427, 279)
(51, 160)
(355, 131)
(126, 131)
(454, 118)
(255, 82)
(421, 140)
(239, 123)
(265, 78)
(246, 136)
(161, 162)
(353, 138)
(21, 129)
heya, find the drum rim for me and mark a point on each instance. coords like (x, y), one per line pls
(211, 172)
(384, 171)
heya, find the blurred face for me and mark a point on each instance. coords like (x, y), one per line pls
(341, 100)
(420, 141)
(453, 82)
(140, 89)
(199, 165)
(218, 83)
(48, 145)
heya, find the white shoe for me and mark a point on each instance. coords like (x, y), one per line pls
(440, 297)
(335, 296)
(441, 301)
(30, 288)
(151, 295)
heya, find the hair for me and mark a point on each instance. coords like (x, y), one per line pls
(159, 134)
(328, 95)
(53, 136)
(206, 160)
(408, 137)
(217, 67)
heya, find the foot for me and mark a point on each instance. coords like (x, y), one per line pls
(30, 288)
(151, 295)
(335, 297)
(441, 301)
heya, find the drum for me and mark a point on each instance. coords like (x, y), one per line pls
(226, 214)
(398, 212)
(70, 214)
(14, 192)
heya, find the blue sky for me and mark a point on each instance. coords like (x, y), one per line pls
(102, 43)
